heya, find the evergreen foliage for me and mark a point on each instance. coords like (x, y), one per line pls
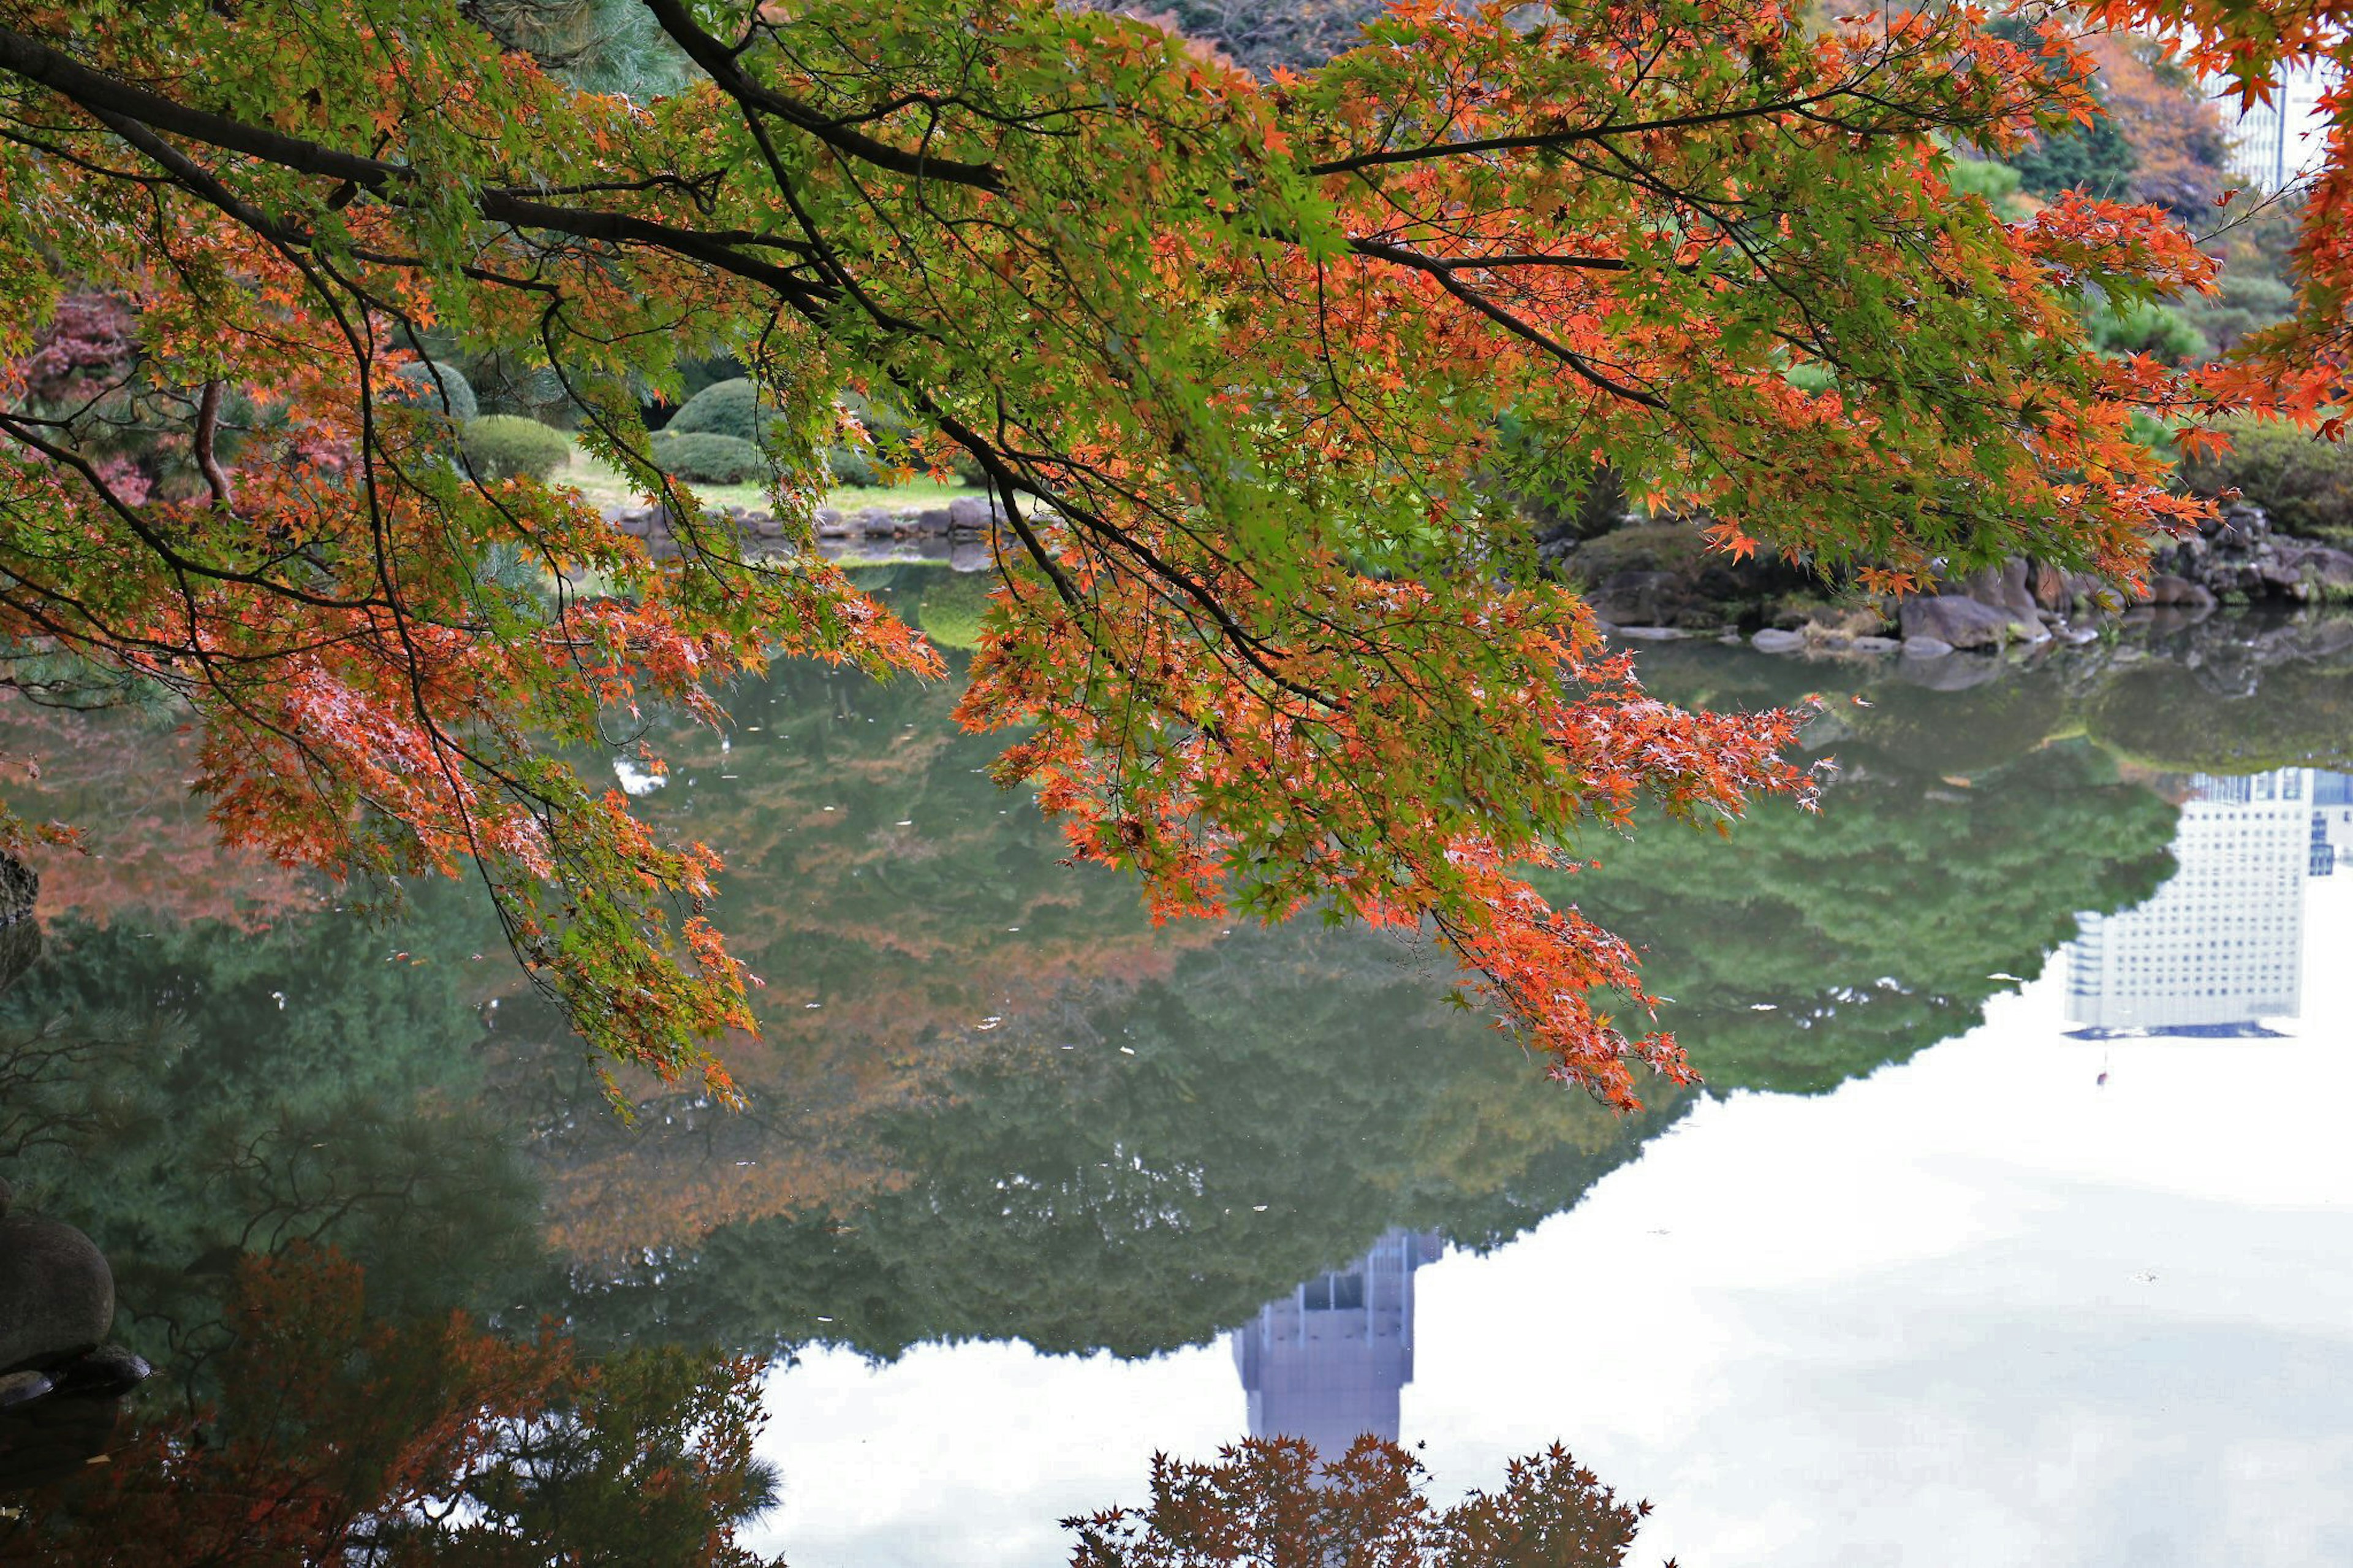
(702, 456)
(730, 408)
(509, 447)
(2307, 484)
(442, 388)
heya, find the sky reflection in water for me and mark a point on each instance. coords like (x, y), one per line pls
(1978, 1308)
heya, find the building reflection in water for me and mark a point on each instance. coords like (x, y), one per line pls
(2220, 947)
(1327, 1362)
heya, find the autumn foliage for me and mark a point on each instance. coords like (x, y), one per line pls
(2303, 369)
(1231, 354)
(1278, 1501)
(345, 1437)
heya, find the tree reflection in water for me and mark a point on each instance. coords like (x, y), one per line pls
(1278, 1502)
(342, 1438)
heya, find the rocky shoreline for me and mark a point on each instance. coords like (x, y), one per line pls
(1650, 582)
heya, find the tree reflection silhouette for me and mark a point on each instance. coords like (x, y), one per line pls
(1274, 1504)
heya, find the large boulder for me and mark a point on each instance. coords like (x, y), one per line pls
(2320, 568)
(1963, 622)
(2007, 586)
(19, 886)
(1643, 599)
(57, 1295)
(2165, 589)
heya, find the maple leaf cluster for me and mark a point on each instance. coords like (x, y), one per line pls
(1231, 355)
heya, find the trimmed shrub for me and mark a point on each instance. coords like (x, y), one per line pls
(437, 385)
(851, 466)
(509, 447)
(706, 457)
(728, 408)
(2306, 485)
(952, 609)
(732, 408)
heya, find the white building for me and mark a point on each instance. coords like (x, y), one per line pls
(2220, 947)
(1329, 1361)
(2275, 144)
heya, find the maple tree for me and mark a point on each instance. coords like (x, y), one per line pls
(1231, 355)
(2302, 368)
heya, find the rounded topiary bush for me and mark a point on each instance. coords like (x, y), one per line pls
(851, 466)
(729, 408)
(953, 607)
(509, 447)
(705, 458)
(2304, 484)
(442, 388)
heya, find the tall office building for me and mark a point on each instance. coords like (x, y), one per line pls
(2272, 145)
(1329, 1363)
(2220, 947)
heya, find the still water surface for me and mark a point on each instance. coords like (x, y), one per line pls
(2015, 1224)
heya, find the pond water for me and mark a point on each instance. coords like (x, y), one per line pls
(2013, 1225)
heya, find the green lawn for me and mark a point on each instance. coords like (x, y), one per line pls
(604, 487)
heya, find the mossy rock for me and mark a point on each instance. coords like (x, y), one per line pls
(1645, 547)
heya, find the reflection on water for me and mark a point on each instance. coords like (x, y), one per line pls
(1027, 1188)
(2221, 948)
(1327, 1362)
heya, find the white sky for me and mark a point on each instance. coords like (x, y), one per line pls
(1975, 1309)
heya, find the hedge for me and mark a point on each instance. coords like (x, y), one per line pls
(729, 408)
(508, 446)
(705, 458)
(454, 394)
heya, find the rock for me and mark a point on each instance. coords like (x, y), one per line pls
(1876, 645)
(2049, 586)
(57, 1295)
(1962, 622)
(19, 886)
(2317, 567)
(1771, 640)
(1642, 599)
(1926, 648)
(1650, 633)
(109, 1369)
(2168, 589)
(830, 523)
(971, 515)
(22, 1388)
